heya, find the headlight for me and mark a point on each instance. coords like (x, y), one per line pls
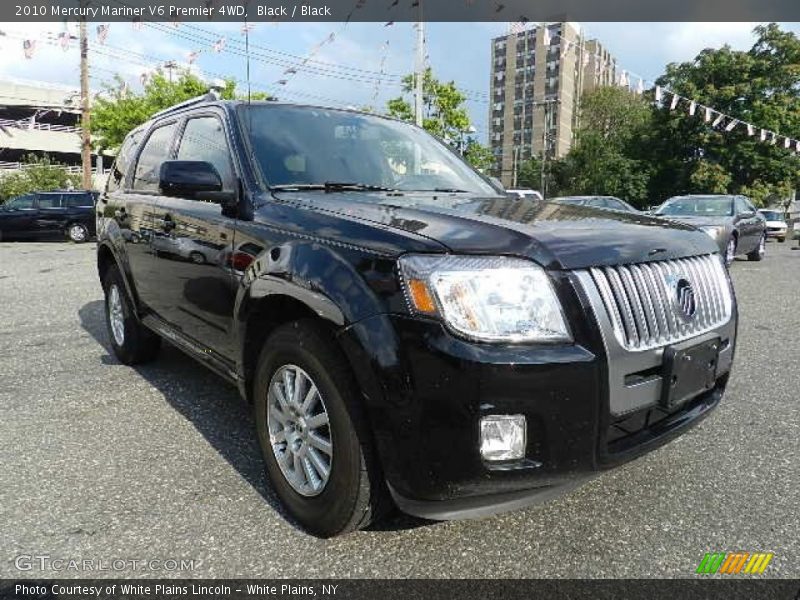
(714, 232)
(491, 299)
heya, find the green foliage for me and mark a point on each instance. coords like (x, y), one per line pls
(40, 175)
(710, 178)
(758, 86)
(118, 111)
(479, 156)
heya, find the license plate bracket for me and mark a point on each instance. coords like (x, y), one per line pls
(689, 370)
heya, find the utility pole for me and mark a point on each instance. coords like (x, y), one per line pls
(419, 69)
(170, 65)
(86, 139)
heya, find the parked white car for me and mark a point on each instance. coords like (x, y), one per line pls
(776, 224)
(524, 193)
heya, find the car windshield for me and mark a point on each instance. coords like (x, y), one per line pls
(698, 206)
(772, 215)
(334, 149)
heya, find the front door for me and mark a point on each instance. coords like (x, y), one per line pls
(748, 222)
(18, 217)
(192, 240)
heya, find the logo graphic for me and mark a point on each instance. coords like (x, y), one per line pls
(734, 563)
(686, 298)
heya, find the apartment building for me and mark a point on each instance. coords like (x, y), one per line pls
(538, 77)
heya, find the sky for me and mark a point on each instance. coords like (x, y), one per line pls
(347, 68)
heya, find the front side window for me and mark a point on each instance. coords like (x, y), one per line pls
(314, 146)
(204, 139)
(21, 202)
(123, 161)
(156, 150)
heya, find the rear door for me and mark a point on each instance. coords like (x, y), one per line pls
(131, 203)
(197, 290)
(749, 225)
(79, 208)
(50, 216)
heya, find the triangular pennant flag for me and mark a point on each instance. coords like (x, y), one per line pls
(64, 39)
(247, 28)
(708, 114)
(751, 131)
(674, 104)
(659, 93)
(102, 33)
(692, 108)
(219, 45)
(718, 120)
(730, 126)
(763, 135)
(192, 57)
(29, 48)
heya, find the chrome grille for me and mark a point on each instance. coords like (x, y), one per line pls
(643, 305)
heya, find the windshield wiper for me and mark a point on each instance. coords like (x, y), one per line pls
(333, 186)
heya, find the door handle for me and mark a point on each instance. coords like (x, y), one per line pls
(167, 224)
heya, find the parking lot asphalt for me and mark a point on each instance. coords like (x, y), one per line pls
(104, 462)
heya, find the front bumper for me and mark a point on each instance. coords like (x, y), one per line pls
(426, 391)
(775, 232)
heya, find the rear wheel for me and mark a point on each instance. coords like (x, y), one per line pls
(760, 250)
(131, 341)
(314, 438)
(197, 258)
(77, 233)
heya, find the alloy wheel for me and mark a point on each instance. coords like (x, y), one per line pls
(299, 431)
(116, 317)
(77, 233)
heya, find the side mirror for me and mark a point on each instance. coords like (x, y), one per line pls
(193, 179)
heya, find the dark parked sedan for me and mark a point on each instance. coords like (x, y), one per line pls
(606, 202)
(731, 221)
(49, 215)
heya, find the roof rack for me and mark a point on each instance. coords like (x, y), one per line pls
(214, 94)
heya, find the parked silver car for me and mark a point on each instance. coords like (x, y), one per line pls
(732, 221)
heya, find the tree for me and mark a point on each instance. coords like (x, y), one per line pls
(758, 86)
(39, 175)
(479, 156)
(444, 115)
(118, 111)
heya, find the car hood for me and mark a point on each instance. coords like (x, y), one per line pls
(556, 236)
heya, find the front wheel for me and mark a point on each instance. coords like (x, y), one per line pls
(77, 233)
(131, 341)
(760, 250)
(314, 438)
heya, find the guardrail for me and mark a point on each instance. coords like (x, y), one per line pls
(26, 124)
(17, 166)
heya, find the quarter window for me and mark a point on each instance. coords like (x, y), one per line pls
(77, 200)
(22, 202)
(204, 140)
(156, 150)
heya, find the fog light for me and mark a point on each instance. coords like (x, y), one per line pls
(503, 437)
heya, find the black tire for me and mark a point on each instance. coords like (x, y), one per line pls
(197, 258)
(78, 233)
(781, 239)
(758, 253)
(730, 256)
(355, 494)
(139, 344)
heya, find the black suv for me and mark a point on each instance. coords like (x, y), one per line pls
(406, 333)
(41, 215)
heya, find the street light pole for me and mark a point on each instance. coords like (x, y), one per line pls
(86, 139)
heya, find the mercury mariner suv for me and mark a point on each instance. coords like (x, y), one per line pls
(407, 334)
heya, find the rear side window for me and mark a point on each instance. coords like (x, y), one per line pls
(50, 201)
(156, 150)
(123, 161)
(77, 200)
